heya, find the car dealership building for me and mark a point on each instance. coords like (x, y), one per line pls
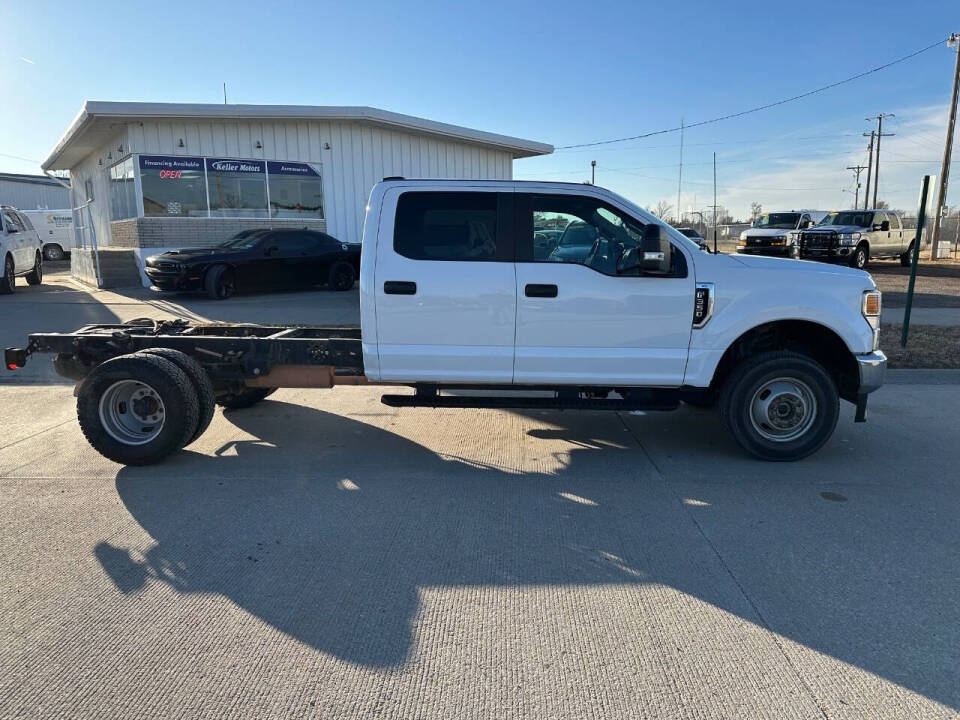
(147, 177)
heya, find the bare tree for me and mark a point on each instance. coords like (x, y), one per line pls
(756, 209)
(661, 209)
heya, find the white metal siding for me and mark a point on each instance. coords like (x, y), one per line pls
(360, 155)
(91, 169)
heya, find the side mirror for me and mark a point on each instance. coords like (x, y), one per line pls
(885, 225)
(805, 224)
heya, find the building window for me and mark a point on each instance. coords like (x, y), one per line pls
(296, 190)
(123, 200)
(173, 186)
(237, 188)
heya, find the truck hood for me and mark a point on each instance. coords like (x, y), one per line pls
(193, 254)
(837, 229)
(802, 268)
(766, 232)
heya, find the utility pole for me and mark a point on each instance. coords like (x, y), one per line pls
(941, 205)
(224, 93)
(680, 176)
(593, 172)
(866, 196)
(857, 169)
(876, 167)
(714, 203)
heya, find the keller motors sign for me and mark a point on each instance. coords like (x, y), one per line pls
(220, 165)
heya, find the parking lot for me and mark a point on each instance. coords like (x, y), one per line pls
(323, 555)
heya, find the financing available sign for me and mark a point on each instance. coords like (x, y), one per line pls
(165, 162)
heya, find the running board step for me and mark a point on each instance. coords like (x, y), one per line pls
(535, 403)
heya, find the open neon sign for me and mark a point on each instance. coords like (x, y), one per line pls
(171, 174)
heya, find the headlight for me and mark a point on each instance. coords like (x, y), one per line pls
(778, 242)
(849, 238)
(743, 236)
(870, 307)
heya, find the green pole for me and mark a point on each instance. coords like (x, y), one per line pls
(921, 221)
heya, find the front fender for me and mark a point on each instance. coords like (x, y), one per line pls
(837, 309)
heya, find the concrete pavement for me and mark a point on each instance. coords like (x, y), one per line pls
(322, 555)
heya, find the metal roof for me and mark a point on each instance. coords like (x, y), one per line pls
(96, 120)
(32, 179)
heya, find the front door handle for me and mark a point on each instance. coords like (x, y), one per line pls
(541, 291)
(399, 287)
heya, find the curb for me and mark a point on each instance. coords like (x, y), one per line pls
(916, 376)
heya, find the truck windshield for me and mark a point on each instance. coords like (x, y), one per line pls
(777, 221)
(857, 219)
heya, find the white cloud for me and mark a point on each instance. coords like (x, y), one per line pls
(27, 60)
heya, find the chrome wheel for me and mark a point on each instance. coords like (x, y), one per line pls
(132, 412)
(54, 252)
(783, 409)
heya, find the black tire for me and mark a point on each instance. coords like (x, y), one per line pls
(35, 277)
(745, 386)
(169, 383)
(905, 258)
(53, 252)
(860, 257)
(8, 281)
(245, 398)
(219, 282)
(341, 277)
(206, 401)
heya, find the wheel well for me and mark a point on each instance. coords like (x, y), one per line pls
(801, 336)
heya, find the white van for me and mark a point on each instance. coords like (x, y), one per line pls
(56, 231)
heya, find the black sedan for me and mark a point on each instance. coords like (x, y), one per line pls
(258, 260)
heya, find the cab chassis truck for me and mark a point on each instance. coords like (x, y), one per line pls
(456, 293)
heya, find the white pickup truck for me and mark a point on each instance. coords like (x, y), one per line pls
(456, 296)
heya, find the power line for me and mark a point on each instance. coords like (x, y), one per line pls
(759, 107)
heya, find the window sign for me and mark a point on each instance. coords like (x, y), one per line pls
(237, 188)
(173, 186)
(296, 190)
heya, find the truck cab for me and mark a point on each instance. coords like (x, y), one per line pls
(456, 292)
(775, 233)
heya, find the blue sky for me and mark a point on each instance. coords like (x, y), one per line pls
(560, 72)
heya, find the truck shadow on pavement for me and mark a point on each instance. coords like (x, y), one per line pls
(327, 528)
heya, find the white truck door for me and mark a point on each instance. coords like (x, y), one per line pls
(445, 291)
(588, 314)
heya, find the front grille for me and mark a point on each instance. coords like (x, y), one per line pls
(167, 266)
(819, 240)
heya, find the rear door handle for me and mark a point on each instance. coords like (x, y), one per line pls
(399, 287)
(543, 291)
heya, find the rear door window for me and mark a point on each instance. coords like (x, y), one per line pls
(452, 226)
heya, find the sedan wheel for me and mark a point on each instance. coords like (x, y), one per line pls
(36, 275)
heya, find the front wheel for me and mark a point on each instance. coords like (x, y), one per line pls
(780, 405)
(219, 282)
(859, 258)
(36, 275)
